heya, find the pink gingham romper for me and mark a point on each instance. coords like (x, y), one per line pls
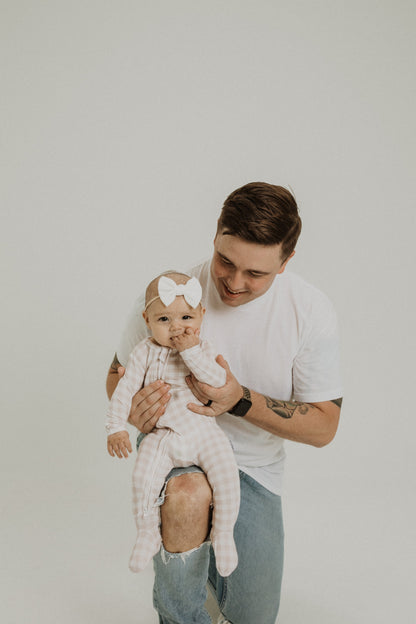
(181, 438)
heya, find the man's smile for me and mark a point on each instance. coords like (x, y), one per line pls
(233, 293)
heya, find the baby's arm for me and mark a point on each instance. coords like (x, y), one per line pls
(118, 442)
(200, 359)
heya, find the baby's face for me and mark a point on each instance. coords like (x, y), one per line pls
(166, 322)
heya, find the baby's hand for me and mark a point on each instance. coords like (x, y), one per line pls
(188, 339)
(118, 444)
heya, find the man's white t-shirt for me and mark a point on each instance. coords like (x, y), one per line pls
(283, 344)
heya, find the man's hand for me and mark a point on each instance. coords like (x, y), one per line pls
(119, 444)
(148, 405)
(190, 338)
(222, 399)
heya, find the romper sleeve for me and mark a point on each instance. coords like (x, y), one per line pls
(200, 360)
(129, 384)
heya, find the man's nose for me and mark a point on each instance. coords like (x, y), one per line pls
(235, 281)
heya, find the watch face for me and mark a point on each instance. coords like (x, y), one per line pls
(241, 408)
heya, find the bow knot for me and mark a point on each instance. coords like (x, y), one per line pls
(168, 290)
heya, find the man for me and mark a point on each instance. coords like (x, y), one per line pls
(279, 338)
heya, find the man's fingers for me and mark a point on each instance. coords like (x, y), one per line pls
(190, 380)
(150, 394)
(146, 404)
(202, 391)
(152, 404)
(147, 391)
(223, 362)
(151, 423)
(201, 409)
(145, 414)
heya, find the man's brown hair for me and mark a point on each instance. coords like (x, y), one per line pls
(262, 213)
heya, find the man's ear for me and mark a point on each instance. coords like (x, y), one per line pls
(282, 268)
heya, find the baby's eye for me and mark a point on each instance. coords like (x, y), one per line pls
(186, 317)
(163, 319)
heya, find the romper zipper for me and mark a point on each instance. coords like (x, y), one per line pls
(148, 506)
(161, 446)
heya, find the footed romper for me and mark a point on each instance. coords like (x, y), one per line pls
(182, 438)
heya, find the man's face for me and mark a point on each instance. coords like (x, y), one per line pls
(167, 322)
(243, 271)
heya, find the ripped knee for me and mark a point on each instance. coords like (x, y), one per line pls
(186, 513)
(167, 556)
(190, 489)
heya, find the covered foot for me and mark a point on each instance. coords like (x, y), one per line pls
(147, 545)
(225, 552)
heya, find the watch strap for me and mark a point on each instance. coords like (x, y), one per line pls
(243, 405)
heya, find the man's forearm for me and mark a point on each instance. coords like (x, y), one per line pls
(309, 423)
(112, 377)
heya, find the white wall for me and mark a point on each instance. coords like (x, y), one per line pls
(124, 126)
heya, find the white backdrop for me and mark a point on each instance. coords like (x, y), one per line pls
(124, 126)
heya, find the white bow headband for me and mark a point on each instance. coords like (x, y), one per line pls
(168, 290)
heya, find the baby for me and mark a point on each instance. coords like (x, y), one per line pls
(173, 314)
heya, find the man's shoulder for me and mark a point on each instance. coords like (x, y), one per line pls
(200, 271)
(303, 302)
(302, 291)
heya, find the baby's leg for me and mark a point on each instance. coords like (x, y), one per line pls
(218, 462)
(152, 465)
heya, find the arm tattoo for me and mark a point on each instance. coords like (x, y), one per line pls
(115, 363)
(337, 402)
(286, 409)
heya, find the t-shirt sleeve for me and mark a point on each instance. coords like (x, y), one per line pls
(316, 368)
(134, 331)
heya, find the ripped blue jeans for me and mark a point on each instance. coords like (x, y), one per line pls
(251, 593)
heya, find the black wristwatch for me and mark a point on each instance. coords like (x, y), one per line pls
(241, 408)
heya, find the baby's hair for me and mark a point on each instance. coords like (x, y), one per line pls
(176, 276)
